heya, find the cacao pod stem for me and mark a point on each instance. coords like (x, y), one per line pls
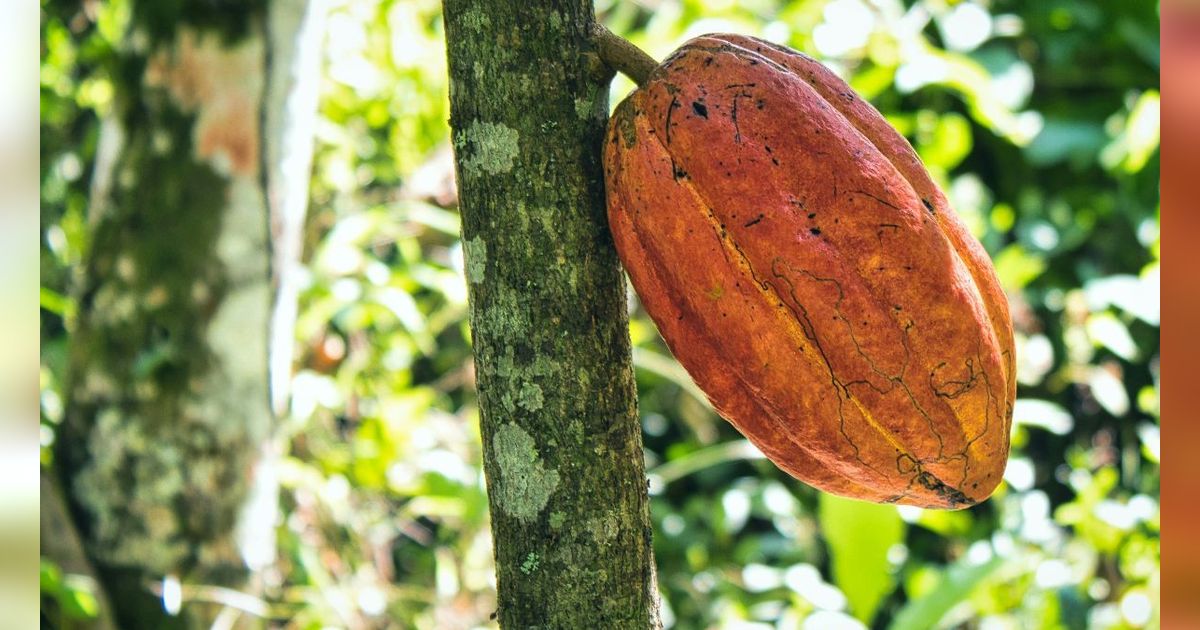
(621, 55)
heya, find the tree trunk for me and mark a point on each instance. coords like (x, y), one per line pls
(162, 448)
(558, 405)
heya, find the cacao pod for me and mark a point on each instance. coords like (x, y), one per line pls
(810, 276)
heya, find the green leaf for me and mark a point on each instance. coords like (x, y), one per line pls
(859, 535)
(956, 585)
(1017, 267)
(78, 599)
(1135, 145)
(943, 140)
(55, 302)
(947, 523)
(50, 577)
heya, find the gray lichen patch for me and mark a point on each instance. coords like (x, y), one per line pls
(122, 452)
(530, 397)
(475, 258)
(525, 483)
(488, 147)
(507, 316)
(604, 529)
(158, 501)
(476, 20)
(583, 108)
(594, 105)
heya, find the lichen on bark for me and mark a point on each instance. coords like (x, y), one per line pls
(525, 483)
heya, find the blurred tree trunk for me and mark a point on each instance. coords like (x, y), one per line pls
(166, 452)
(561, 435)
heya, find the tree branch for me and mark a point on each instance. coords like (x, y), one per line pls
(622, 55)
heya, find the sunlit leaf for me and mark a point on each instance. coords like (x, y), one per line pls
(55, 302)
(1109, 391)
(1043, 414)
(956, 584)
(859, 535)
(1138, 296)
(1139, 140)
(944, 140)
(1017, 267)
(1108, 331)
(80, 603)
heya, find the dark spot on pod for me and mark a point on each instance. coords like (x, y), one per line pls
(760, 103)
(754, 221)
(812, 215)
(700, 109)
(754, 62)
(928, 206)
(815, 231)
(708, 62)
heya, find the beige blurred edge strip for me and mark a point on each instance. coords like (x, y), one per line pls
(19, 263)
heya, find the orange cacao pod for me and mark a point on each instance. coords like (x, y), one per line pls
(804, 268)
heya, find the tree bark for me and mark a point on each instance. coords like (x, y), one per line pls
(164, 451)
(558, 406)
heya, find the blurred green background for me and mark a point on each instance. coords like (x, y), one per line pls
(1039, 119)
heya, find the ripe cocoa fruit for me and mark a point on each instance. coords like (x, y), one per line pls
(808, 273)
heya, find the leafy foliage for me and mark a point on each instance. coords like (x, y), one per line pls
(1039, 119)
